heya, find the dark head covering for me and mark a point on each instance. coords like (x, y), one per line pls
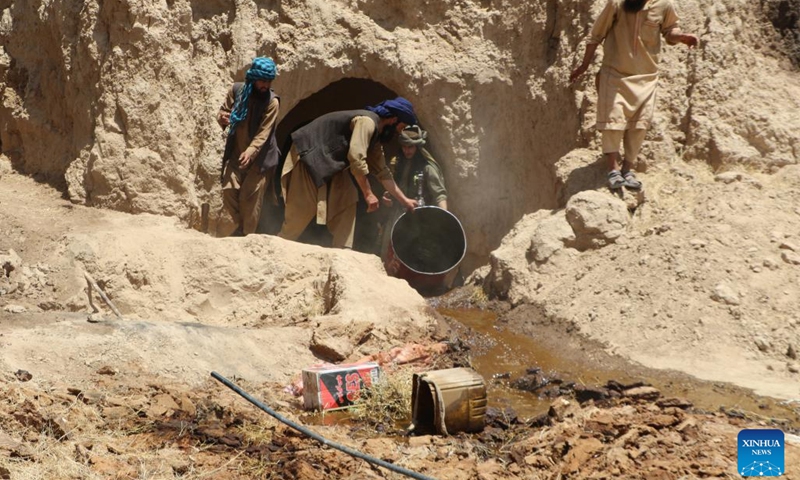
(399, 107)
(263, 68)
(412, 135)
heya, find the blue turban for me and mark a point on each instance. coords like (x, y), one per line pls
(399, 107)
(263, 68)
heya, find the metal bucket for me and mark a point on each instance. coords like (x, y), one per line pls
(448, 401)
(425, 249)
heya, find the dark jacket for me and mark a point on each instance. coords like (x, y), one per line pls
(269, 154)
(324, 143)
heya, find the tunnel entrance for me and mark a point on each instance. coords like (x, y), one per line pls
(344, 94)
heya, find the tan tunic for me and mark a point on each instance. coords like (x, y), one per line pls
(334, 203)
(628, 78)
(243, 191)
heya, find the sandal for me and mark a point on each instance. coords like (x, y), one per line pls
(631, 181)
(615, 180)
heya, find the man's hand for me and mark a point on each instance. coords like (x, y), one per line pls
(689, 40)
(372, 202)
(578, 72)
(386, 199)
(410, 204)
(224, 119)
(244, 160)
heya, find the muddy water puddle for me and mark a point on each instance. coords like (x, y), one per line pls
(502, 354)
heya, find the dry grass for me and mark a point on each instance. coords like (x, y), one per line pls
(387, 401)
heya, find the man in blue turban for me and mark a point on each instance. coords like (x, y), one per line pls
(249, 117)
(327, 155)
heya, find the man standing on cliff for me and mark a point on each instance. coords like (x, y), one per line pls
(331, 155)
(628, 77)
(250, 114)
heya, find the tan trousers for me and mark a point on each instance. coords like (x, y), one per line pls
(632, 142)
(304, 201)
(243, 194)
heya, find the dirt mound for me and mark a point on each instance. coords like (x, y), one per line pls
(705, 278)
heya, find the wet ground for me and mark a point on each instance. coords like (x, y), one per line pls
(507, 348)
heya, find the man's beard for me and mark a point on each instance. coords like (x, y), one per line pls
(259, 94)
(633, 6)
(387, 134)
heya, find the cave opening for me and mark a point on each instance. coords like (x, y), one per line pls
(344, 94)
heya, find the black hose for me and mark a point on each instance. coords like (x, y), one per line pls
(318, 437)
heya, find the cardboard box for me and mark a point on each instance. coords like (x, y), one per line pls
(337, 386)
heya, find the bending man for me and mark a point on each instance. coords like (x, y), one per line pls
(327, 155)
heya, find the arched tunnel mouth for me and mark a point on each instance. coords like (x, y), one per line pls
(344, 94)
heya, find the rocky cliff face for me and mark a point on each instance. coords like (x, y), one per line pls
(114, 101)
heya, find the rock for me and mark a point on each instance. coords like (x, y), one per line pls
(791, 352)
(558, 409)
(597, 219)
(15, 309)
(793, 367)
(674, 402)
(730, 177)
(107, 370)
(584, 393)
(762, 344)
(789, 246)
(725, 294)
(13, 447)
(50, 305)
(92, 397)
(23, 375)
(162, 405)
(115, 413)
(550, 236)
(662, 421)
(337, 337)
(790, 257)
(9, 262)
(419, 441)
(643, 393)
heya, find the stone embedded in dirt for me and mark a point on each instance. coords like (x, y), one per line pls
(559, 409)
(9, 262)
(662, 421)
(50, 305)
(730, 177)
(584, 393)
(5, 474)
(790, 257)
(793, 367)
(789, 246)
(642, 393)
(23, 375)
(115, 413)
(791, 352)
(596, 218)
(674, 402)
(725, 294)
(620, 387)
(162, 405)
(92, 397)
(501, 417)
(107, 370)
(530, 383)
(15, 309)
